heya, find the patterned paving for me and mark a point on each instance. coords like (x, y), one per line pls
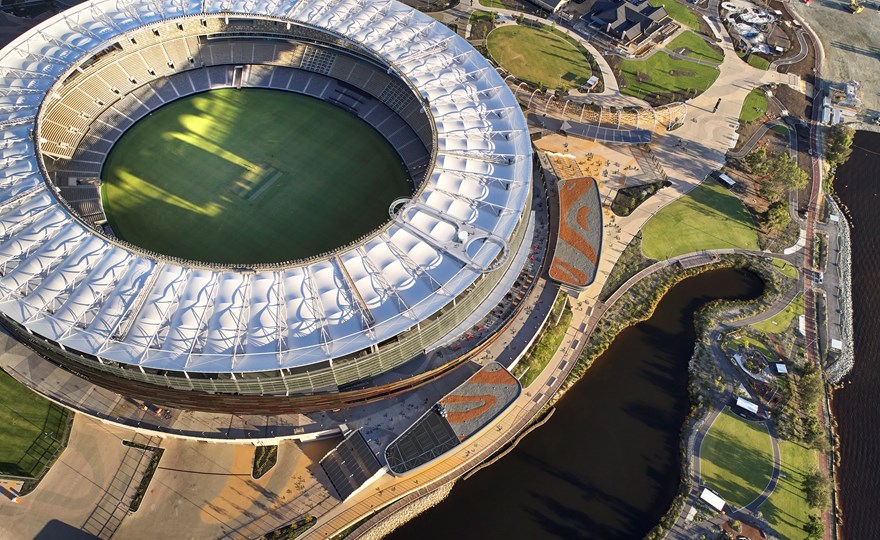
(576, 257)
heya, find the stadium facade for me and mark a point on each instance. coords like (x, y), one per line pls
(122, 316)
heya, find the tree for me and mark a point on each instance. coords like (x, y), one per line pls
(838, 144)
(777, 216)
(771, 190)
(814, 528)
(817, 487)
(757, 161)
(811, 386)
(784, 169)
(782, 174)
(814, 435)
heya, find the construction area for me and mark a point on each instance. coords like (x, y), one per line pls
(850, 49)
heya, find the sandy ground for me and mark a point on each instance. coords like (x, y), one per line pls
(206, 491)
(613, 166)
(852, 45)
(72, 488)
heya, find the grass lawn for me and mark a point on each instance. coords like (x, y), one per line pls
(759, 345)
(785, 267)
(482, 16)
(31, 429)
(781, 321)
(787, 510)
(250, 176)
(679, 12)
(754, 106)
(661, 74)
(534, 362)
(736, 459)
(782, 130)
(492, 4)
(758, 62)
(539, 56)
(708, 217)
(696, 47)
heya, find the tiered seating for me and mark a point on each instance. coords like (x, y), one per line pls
(242, 52)
(164, 90)
(127, 84)
(219, 76)
(130, 111)
(264, 51)
(281, 78)
(257, 75)
(342, 67)
(199, 80)
(101, 130)
(96, 88)
(177, 53)
(217, 53)
(155, 59)
(318, 59)
(90, 210)
(133, 65)
(84, 192)
(148, 97)
(289, 55)
(116, 79)
(95, 140)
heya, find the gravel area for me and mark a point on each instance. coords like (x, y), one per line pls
(408, 512)
(838, 370)
(851, 45)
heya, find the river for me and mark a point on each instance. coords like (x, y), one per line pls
(856, 406)
(606, 465)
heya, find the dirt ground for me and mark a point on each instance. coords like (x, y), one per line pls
(207, 490)
(613, 167)
(852, 45)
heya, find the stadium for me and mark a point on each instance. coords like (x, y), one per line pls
(285, 204)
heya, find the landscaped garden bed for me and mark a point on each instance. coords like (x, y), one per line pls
(628, 199)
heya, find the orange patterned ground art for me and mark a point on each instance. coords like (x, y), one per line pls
(481, 404)
(492, 377)
(576, 257)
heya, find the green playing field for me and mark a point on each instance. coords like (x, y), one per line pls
(249, 176)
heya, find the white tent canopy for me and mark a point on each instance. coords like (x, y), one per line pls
(85, 291)
(746, 405)
(712, 499)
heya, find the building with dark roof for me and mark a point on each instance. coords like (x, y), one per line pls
(627, 21)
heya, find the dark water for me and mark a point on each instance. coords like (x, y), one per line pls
(607, 464)
(857, 407)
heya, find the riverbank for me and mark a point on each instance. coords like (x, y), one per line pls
(840, 368)
(854, 403)
(706, 390)
(571, 475)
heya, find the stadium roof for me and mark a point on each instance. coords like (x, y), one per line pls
(88, 292)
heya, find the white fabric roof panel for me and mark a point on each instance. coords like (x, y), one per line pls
(65, 282)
